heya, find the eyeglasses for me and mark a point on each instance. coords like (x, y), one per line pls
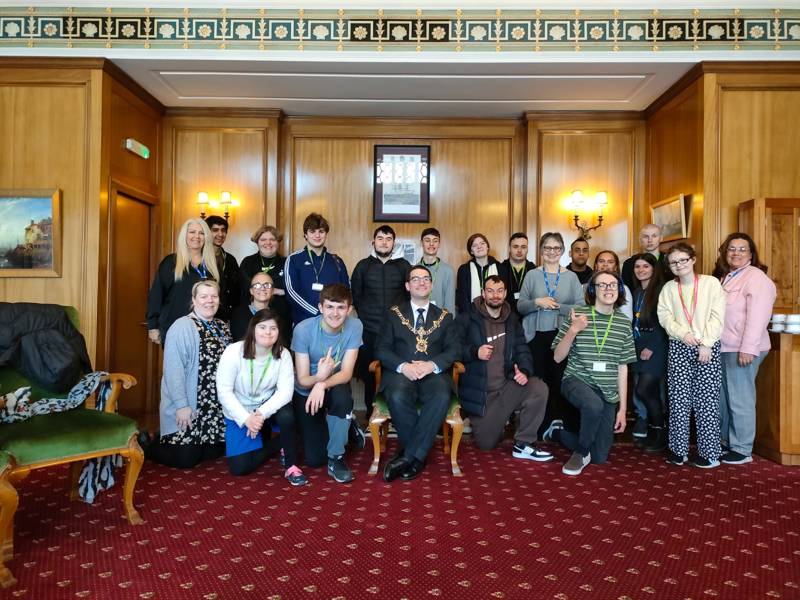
(421, 279)
(606, 286)
(739, 249)
(261, 286)
(552, 248)
(679, 263)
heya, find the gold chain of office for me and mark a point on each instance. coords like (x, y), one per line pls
(421, 333)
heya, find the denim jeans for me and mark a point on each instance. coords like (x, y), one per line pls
(738, 402)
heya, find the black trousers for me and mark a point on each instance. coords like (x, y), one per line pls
(246, 463)
(314, 428)
(183, 456)
(551, 372)
(366, 354)
(648, 390)
(417, 430)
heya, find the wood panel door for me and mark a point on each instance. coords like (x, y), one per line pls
(129, 350)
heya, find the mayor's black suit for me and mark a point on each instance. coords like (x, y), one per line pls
(397, 345)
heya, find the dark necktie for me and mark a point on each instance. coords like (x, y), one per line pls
(420, 319)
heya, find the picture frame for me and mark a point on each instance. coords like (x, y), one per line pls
(401, 184)
(30, 233)
(674, 216)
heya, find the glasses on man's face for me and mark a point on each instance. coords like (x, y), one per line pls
(679, 262)
(552, 248)
(421, 279)
(261, 286)
(739, 249)
(606, 286)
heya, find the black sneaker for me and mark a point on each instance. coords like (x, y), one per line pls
(674, 459)
(704, 463)
(339, 470)
(530, 452)
(355, 435)
(640, 428)
(734, 458)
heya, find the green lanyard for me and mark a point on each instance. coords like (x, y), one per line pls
(430, 268)
(263, 372)
(598, 344)
(520, 272)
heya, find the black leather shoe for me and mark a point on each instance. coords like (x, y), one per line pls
(412, 471)
(394, 468)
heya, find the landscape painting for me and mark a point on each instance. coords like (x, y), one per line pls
(30, 233)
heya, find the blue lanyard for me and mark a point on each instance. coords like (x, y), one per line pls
(551, 292)
(204, 272)
(637, 309)
(214, 330)
(733, 274)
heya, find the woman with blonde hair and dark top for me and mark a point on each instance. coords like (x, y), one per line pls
(170, 296)
(691, 309)
(750, 296)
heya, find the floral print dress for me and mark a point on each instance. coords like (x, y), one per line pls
(208, 426)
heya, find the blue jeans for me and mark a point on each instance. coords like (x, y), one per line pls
(737, 402)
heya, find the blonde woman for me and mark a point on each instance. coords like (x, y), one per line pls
(170, 296)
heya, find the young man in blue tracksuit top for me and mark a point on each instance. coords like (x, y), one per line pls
(310, 268)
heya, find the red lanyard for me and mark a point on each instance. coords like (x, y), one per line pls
(689, 317)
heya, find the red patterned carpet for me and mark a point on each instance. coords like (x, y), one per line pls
(635, 528)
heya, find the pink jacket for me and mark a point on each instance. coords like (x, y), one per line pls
(750, 296)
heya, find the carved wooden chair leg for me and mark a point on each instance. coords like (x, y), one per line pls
(134, 458)
(446, 437)
(74, 475)
(9, 500)
(384, 435)
(458, 430)
(375, 435)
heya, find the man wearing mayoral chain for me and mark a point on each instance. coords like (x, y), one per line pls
(417, 347)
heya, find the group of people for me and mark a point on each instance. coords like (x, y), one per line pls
(549, 346)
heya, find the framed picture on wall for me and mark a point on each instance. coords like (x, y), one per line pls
(30, 233)
(674, 216)
(401, 184)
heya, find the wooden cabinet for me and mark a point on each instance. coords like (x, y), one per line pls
(778, 401)
(774, 225)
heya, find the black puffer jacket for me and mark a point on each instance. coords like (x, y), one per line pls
(40, 342)
(376, 287)
(472, 383)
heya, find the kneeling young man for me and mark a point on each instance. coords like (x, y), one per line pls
(498, 378)
(417, 347)
(325, 351)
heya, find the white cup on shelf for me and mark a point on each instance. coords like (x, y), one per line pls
(778, 327)
(792, 328)
(779, 318)
(793, 319)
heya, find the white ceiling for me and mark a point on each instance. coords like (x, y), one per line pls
(404, 89)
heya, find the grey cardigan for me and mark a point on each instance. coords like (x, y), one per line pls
(181, 364)
(568, 293)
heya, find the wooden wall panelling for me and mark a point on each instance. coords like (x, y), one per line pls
(591, 156)
(215, 154)
(50, 124)
(475, 183)
(675, 157)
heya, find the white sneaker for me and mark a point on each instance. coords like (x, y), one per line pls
(576, 463)
(530, 452)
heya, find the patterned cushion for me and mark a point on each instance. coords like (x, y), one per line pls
(63, 435)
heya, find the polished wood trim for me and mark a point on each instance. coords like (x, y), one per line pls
(584, 115)
(397, 128)
(130, 84)
(51, 62)
(675, 89)
(712, 171)
(216, 112)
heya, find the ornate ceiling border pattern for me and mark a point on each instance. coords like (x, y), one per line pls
(469, 31)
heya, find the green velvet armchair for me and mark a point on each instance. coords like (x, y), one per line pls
(69, 437)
